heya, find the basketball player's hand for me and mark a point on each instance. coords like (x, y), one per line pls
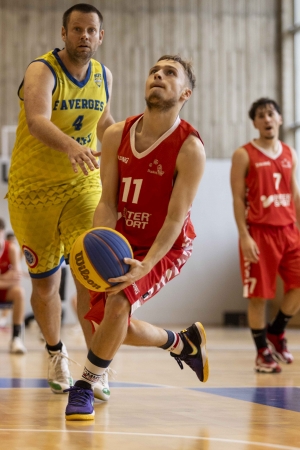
(10, 278)
(250, 249)
(137, 271)
(84, 157)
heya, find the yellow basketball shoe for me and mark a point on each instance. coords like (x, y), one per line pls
(194, 351)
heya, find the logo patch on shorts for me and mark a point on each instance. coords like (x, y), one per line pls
(30, 256)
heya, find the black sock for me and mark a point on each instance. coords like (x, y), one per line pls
(259, 337)
(170, 341)
(54, 348)
(103, 363)
(279, 323)
(83, 384)
(17, 330)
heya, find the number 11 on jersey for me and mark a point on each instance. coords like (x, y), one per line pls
(138, 185)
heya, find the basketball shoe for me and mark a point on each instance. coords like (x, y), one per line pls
(101, 389)
(59, 377)
(265, 363)
(17, 347)
(80, 404)
(194, 351)
(278, 346)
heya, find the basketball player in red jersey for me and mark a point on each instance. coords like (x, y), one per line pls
(10, 289)
(151, 167)
(266, 207)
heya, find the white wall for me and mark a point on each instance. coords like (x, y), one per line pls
(209, 284)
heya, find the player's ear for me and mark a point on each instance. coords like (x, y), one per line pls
(101, 35)
(186, 93)
(63, 33)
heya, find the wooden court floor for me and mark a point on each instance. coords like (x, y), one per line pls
(154, 404)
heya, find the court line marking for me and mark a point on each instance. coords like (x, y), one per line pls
(172, 436)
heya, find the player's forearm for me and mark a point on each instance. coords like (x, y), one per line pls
(6, 283)
(105, 216)
(163, 242)
(297, 207)
(45, 131)
(107, 122)
(240, 217)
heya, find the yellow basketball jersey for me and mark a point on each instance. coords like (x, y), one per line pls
(39, 174)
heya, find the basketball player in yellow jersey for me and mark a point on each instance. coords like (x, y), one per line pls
(54, 178)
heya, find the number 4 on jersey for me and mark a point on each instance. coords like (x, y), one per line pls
(77, 124)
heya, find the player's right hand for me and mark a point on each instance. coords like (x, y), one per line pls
(250, 249)
(84, 157)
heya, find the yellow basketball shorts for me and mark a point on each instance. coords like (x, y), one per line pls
(47, 232)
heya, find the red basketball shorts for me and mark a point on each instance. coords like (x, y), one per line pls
(279, 249)
(3, 294)
(145, 288)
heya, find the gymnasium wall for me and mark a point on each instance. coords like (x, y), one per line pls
(234, 45)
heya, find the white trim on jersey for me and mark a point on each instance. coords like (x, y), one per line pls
(156, 143)
(268, 154)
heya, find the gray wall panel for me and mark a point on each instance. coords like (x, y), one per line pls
(233, 44)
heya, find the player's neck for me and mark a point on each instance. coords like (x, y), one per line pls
(156, 123)
(77, 70)
(270, 145)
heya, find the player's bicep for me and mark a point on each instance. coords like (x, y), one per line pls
(109, 162)
(39, 83)
(239, 169)
(106, 119)
(190, 169)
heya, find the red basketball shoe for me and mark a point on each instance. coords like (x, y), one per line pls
(265, 363)
(278, 346)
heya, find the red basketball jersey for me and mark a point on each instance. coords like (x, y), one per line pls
(269, 196)
(146, 183)
(4, 258)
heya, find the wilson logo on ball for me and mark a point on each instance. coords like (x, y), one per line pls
(84, 272)
(98, 255)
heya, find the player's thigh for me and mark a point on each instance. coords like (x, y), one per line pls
(162, 273)
(77, 217)
(289, 268)
(259, 279)
(37, 232)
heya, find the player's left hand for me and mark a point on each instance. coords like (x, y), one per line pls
(138, 269)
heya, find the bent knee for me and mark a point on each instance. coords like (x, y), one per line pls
(15, 293)
(117, 306)
(45, 294)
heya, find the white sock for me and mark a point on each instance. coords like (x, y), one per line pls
(177, 345)
(91, 373)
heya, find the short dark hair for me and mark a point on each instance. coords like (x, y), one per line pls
(2, 224)
(82, 7)
(261, 102)
(187, 65)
